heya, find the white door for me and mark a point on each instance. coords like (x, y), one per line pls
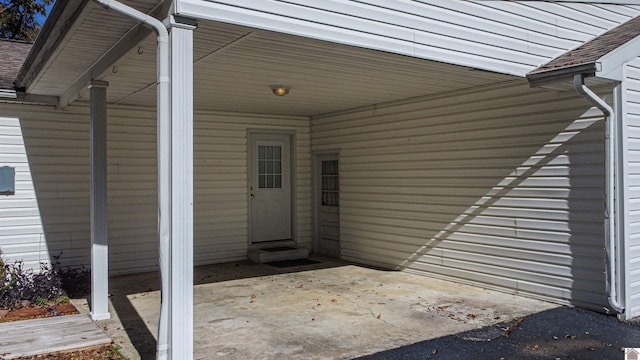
(328, 201)
(270, 187)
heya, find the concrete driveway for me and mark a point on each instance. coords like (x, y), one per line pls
(328, 310)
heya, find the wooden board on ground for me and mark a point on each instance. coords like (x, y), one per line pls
(48, 335)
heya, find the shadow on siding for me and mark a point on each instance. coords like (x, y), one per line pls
(564, 170)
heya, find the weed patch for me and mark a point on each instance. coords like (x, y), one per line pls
(24, 287)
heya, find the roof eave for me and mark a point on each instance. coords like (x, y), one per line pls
(62, 16)
(553, 76)
(607, 68)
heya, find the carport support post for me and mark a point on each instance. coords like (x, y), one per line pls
(98, 202)
(181, 169)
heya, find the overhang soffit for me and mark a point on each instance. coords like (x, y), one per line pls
(85, 41)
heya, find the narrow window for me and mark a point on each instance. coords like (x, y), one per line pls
(330, 183)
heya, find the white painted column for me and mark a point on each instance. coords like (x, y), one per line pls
(181, 169)
(98, 194)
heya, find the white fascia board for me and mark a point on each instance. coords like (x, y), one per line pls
(8, 94)
(285, 18)
(22, 98)
(611, 64)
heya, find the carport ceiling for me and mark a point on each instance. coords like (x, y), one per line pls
(234, 67)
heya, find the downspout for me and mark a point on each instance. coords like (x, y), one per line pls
(611, 238)
(164, 111)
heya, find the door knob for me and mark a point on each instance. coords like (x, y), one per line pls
(252, 196)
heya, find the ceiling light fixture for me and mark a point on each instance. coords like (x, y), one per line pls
(280, 90)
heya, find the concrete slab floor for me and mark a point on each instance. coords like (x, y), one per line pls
(329, 310)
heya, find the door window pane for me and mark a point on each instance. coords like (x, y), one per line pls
(269, 167)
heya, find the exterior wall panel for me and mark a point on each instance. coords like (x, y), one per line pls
(500, 187)
(49, 215)
(22, 228)
(631, 186)
(511, 37)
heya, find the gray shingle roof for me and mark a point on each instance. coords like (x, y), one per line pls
(12, 55)
(593, 50)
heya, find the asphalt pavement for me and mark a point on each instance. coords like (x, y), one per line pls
(561, 333)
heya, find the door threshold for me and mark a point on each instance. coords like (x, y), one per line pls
(272, 244)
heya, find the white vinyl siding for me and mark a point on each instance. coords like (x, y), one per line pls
(21, 231)
(498, 186)
(57, 144)
(631, 179)
(511, 37)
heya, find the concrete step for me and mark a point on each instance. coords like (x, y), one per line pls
(279, 253)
